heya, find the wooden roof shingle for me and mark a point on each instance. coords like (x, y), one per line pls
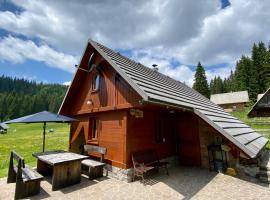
(230, 97)
(159, 88)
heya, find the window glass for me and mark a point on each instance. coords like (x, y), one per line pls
(93, 129)
(96, 82)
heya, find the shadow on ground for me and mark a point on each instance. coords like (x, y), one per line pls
(189, 181)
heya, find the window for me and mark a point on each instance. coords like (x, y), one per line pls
(93, 130)
(96, 82)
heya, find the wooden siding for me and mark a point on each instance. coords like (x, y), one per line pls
(114, 92)
(141, 134)
(111, 135)
(189, 142)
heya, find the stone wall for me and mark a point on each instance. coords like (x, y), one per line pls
(209, 136)
(206, 136)
(127, 174)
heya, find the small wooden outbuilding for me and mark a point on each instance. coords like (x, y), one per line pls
(126, 107)
(262, 107)
(231, 101)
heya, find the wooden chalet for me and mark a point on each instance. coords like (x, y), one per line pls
(231, 101)
(262, 107)
(126, 107)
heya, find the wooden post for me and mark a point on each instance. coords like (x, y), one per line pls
(11, 173)
(44, 132)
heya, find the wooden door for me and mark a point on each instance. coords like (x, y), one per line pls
(189, 143)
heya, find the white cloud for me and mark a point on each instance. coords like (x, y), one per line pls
(186, 31)
(120, 24)
(67, 83)
(16, 50)
(229, 33)
(222, 72)
(179, 72)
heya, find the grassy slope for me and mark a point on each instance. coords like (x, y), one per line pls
(27, 138)
(261, 125)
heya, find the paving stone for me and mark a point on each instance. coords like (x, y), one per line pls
(182, 183)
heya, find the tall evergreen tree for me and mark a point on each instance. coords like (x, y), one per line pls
(242, 73)
(200, 82)
(267, 68)
(260, 62)
(254, 86)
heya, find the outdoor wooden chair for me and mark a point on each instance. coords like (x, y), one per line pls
(146, 160)
(94, 168)
(27, 180)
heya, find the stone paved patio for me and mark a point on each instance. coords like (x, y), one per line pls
(183, 183)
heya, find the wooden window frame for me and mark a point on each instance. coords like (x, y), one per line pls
(94, 85)
(93, 138)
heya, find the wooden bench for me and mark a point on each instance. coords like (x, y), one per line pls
(93, 168)
(146, 160)
(27, 180)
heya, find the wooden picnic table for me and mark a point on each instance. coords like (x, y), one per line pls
(65, 167)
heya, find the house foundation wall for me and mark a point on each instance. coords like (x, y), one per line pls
(126, 175)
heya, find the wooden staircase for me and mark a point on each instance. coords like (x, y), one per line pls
(264, 174)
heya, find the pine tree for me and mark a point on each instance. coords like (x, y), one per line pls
(261, 61)
(200, 82)
(267, 68)
(242, 73)
(254, 87)
(219, 85)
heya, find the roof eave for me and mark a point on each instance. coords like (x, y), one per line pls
(223, 132)
(170, 105)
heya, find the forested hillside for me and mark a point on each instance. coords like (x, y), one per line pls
(19, 97)
(251, 74)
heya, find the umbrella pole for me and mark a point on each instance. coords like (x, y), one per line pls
(44, 131)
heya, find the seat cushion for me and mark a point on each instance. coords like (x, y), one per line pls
(92, 163)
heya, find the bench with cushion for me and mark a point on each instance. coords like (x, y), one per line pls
(146, 160)
(27, 180)
(93, 168)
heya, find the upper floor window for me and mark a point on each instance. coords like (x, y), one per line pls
(96, 82)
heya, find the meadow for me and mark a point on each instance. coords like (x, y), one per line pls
(27, 138)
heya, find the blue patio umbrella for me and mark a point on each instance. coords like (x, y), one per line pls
(42, 117)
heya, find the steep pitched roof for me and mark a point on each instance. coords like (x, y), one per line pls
(156, 87)
(262, 101)
(230, 97)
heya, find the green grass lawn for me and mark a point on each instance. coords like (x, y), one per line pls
(261, 125)
(27, 138)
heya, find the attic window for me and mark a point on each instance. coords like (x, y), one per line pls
(96, 83)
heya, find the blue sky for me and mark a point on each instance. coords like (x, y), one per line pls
(43, 40)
